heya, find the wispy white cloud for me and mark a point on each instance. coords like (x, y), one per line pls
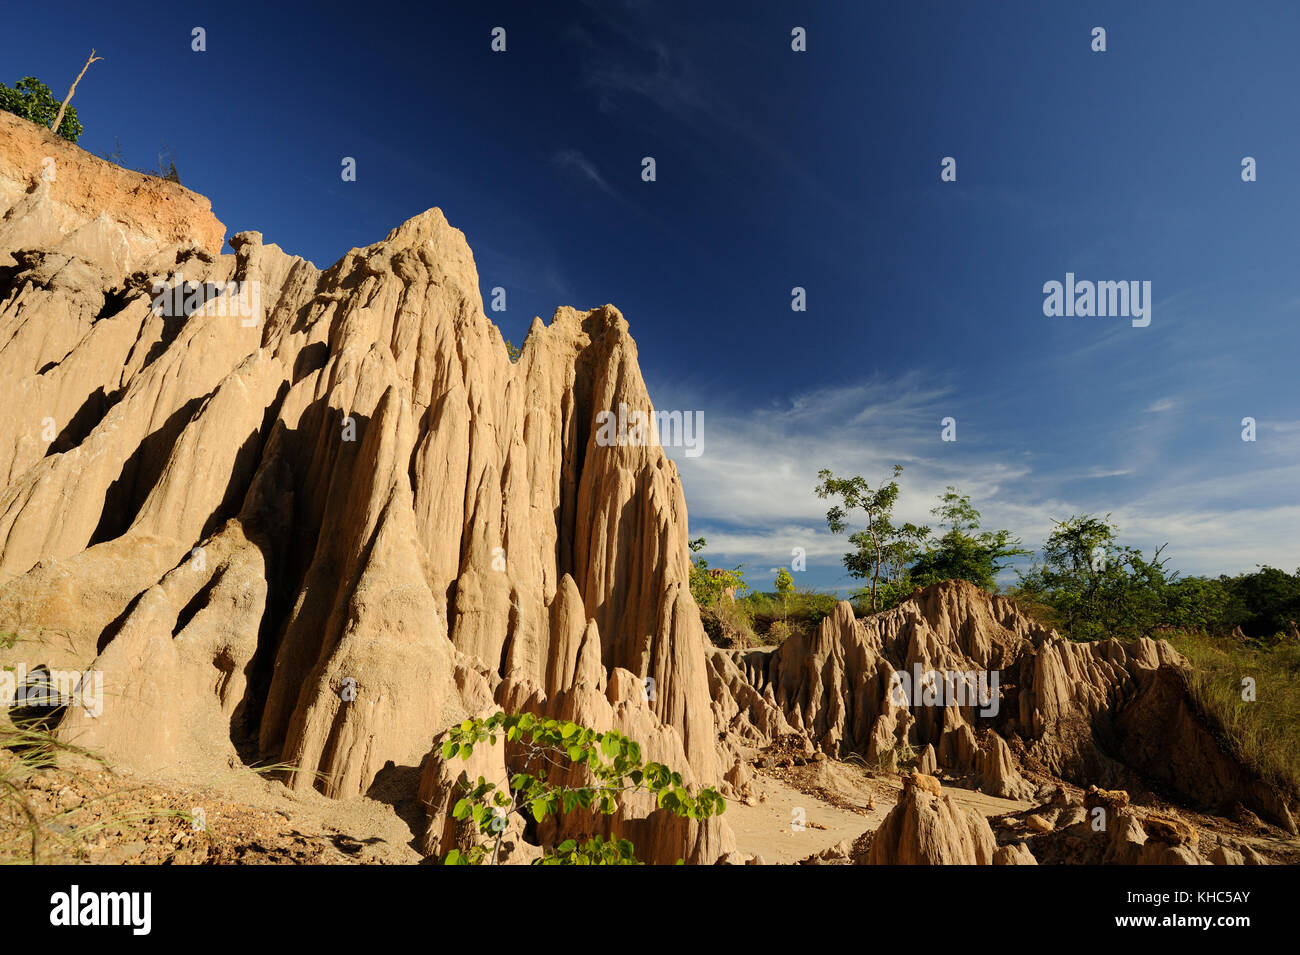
(575, 159)
(751, 491)
(1097, 474)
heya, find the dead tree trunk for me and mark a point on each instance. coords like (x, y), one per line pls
(58, 120)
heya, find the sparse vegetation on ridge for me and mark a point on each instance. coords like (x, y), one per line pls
(1260, 721)
(32, 100)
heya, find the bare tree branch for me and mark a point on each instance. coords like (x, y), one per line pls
(58, 120)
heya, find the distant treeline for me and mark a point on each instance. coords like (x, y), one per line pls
(1083, 581)
(1262, 606)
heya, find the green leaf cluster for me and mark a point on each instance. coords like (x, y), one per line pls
(1095, 587)
(1090, 587)
(898, 558)
(784, 584)
(596, 850)
(708, 588)
(612, 760)
(31, 99)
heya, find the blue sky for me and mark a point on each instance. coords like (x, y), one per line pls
(821, 170)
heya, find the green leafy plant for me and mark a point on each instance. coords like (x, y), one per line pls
(1095, 587)
(721, 596)
(873, 545)
(897, 559)
(964, 552)
(596, 850)
(31, 99)
(776, 616)
(709, 584)
(612, 760)
(784, 584)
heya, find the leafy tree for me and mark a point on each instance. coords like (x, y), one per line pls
(706, 587)
(904, 547)
(898, 559)
(872, 544)
(1264, 602)
(612, 761)
(964, 553)
(1096, 587)
(1197, 603)
(900, 554)
(31, 99)
(957, 512)
(784, 583)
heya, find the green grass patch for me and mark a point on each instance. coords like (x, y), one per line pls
(1265, 732)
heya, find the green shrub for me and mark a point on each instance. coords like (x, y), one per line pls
(890, 594)
(613, 761)
(1096, 587)
(31, 99)
(775, 616)
(726, 621)
(784, 583)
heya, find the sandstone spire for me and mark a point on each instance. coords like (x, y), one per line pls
(321, 529)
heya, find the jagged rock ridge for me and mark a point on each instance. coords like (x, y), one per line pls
(322, 531)
(1108, 713)
(322, 528)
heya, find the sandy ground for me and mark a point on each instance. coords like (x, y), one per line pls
(91, 815)
(96, 816)
(834, 799)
